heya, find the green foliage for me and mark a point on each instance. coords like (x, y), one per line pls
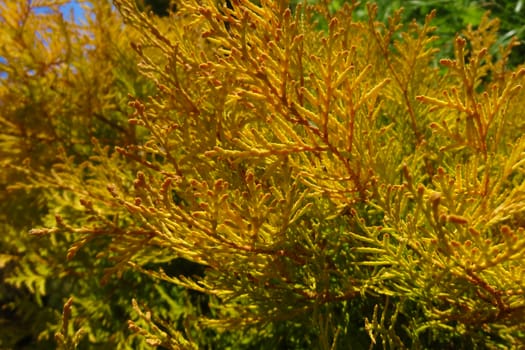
(454, 16)
(271, 176)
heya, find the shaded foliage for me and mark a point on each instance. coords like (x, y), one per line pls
(158, 7)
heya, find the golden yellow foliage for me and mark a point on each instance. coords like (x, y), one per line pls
(329, 179)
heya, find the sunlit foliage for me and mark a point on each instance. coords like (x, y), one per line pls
(273, 176)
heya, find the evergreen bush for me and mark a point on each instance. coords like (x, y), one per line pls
(289, 177)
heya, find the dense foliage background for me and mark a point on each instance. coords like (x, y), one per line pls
(65, 89)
